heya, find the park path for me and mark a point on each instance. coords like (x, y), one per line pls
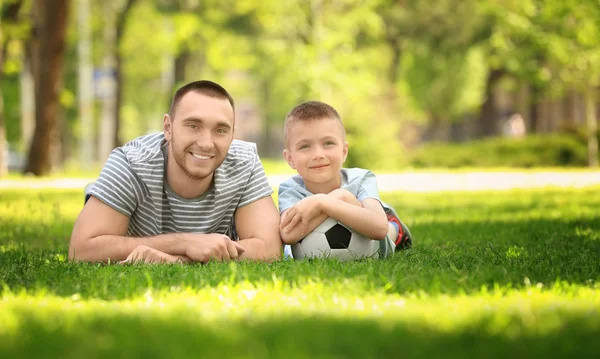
(409, 181)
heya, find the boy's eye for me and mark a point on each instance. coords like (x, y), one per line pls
(304, 146)
(329, 143)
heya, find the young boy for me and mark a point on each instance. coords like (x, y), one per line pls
(316, 147)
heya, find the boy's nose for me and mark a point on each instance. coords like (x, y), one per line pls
(318, 153)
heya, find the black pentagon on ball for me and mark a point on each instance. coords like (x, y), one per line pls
(338, 237)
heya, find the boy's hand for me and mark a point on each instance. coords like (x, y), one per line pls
(301, 213)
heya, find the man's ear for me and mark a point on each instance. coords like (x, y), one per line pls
(288, 158)
(167, 127)
(345, 152)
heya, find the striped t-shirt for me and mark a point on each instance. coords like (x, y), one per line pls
(133, 182)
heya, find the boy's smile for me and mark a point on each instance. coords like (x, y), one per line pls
(317, 150)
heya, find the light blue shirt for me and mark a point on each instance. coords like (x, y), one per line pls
(360, 182)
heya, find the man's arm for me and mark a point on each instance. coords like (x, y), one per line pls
(99, 236)
(257, 225)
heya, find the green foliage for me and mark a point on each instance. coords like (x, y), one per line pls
(494, 274)
(445, 86)
(531, 151)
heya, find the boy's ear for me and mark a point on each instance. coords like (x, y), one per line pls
(288, 158)
(167, 127)
(345, 152)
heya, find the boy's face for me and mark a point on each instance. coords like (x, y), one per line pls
(317, 150)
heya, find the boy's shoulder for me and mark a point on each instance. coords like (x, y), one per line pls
(295, 182)
(353, 174)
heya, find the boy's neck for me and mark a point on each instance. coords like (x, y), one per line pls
(325, 187)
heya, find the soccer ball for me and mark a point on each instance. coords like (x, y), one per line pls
(332, 239)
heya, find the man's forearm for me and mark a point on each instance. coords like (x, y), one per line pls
(260, 249)
(117, 248)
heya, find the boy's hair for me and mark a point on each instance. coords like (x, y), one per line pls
(310, 111)
(204, 87)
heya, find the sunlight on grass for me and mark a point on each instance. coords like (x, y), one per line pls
(251, 310)
(491, 274)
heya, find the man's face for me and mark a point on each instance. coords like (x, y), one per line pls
(199, 134)
(317, 150)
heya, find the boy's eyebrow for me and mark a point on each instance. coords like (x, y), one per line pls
(220, 123)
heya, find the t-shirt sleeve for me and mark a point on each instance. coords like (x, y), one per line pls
(368, 187)
(288, 196)
(258, 185)
(118, 186)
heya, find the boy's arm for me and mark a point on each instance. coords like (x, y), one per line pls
(296, 233)
(367, 217)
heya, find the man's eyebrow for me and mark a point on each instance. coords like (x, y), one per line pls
(199, 120)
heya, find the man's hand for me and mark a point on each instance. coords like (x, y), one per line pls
(301, 213)
(211, 247)
(145, 254)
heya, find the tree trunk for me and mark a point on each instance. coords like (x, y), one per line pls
(438, 130)
(120, 31)
(181, 63)
(3, 164)
(522, 104)
(27, 83)
(266, 120)
(488, 118)
(85, 86)
(50, 18)
(107, 121)
(592, 126)
(9, 14)
(393, 72)
(118, 100)
(534, 110)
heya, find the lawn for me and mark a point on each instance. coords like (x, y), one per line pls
(491, 274)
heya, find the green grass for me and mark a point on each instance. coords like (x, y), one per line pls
(492, 274)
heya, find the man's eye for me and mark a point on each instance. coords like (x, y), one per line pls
(192, 126)
(221, 130)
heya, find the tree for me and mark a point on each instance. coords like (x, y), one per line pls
(50, 23)
(10, 22)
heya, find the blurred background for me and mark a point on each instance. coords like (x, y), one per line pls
(444, 84)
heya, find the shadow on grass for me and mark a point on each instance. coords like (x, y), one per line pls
(151, 335)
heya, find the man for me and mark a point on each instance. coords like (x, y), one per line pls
(191, 193)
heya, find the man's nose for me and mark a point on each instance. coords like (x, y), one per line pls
(205, 139)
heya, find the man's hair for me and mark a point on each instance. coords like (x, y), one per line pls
(309, 111)
(204, 87)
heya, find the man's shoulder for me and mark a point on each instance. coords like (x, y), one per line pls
(144, 149)
(241, 151)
